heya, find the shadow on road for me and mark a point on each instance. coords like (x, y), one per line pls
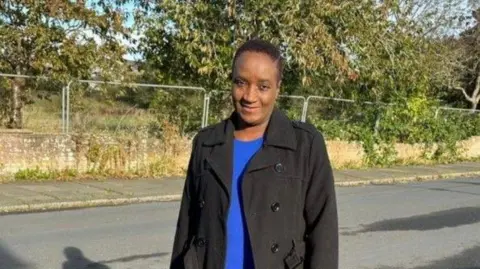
(466, 182)
(76, 260)
(9, 261)
(435, 220)
(443, 189)
(136, 257)
(468, 259)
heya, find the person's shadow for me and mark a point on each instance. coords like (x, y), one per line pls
(9, 260)
(76, 260)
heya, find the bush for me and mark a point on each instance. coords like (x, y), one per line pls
(378, 128)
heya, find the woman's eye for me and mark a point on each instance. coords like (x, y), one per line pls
(264, 87)
(239, 82)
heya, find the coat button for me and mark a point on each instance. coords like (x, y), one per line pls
(201, 203)
(279, 168)
(275, 207)
(200, 242)
(275, 248)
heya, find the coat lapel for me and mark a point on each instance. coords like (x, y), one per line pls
(221, 154)
(278, 136)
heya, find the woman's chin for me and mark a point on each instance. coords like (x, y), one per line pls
(250, 119)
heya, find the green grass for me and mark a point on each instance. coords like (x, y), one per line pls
(38, 174)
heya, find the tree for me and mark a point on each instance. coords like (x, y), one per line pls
(194, 41)
(352, 49)
(437, 18)
(465, 63)
(59, 39)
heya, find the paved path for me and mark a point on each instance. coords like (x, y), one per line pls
(28, 197)
(428, 225)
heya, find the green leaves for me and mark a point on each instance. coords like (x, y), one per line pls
(61, 39)
(203, 37)
(342, 44)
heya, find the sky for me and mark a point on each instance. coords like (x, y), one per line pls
(129, 9)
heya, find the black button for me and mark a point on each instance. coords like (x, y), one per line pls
(275, 207)
(201, 203)
(275, 248)
(279, 168)
(200, 242)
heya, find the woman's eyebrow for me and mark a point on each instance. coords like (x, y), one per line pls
(238, 76)
(264, 81)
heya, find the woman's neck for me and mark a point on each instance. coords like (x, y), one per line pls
(247, 133)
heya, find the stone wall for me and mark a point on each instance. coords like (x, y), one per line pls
(470, 147)
(26, 150)
(343, 153)
(22, 150)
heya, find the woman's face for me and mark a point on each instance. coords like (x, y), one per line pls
(255, 87)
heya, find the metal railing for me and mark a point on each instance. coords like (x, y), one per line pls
(465, 110)
(206, 98)
(66, 94)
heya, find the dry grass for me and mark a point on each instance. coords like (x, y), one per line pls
(167, 151)
(172, 155)
(87, 116)
(44, 116)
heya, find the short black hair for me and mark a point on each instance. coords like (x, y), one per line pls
(261, 46)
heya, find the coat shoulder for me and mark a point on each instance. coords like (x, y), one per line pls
(312, 137)
(205, 132)
(307, 128)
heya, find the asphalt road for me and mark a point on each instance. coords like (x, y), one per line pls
(415, 226)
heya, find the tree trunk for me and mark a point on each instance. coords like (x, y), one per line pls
(476, 94)
(474, 106)
(15, 115)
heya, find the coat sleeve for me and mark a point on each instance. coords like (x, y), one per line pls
(321, 210)
(186, 216)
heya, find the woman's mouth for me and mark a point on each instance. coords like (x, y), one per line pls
(249, 109)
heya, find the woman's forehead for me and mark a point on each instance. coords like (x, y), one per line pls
(255, 64)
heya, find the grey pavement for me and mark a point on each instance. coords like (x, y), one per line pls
(29, 197)
(419, 225)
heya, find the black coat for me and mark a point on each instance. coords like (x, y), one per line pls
(288, 198)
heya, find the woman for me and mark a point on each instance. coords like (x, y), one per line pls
(259, 191)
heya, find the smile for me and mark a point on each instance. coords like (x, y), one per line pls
(249, 109)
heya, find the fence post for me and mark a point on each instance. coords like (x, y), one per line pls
(67, 111)
(436, 112)
(305, 108)
(204, 109)
(377, 124)
(63, 109)
(207, 108)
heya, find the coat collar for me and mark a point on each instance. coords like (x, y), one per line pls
(279, 132)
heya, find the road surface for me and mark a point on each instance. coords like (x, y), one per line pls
(434, 225)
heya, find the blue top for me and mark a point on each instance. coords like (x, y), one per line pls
(239, 251)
